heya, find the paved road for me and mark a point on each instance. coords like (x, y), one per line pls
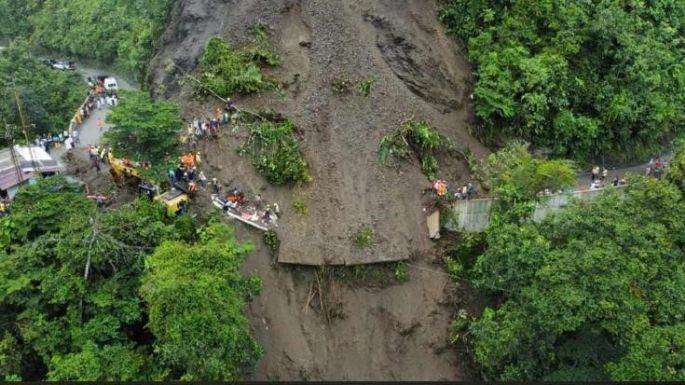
(583, 178)
(88, 130)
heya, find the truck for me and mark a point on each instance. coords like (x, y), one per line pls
(111, 86)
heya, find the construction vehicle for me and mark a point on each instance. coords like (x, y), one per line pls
(176, 200)
(123, 167)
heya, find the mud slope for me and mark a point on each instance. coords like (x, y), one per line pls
(418, 74)
(399, 332)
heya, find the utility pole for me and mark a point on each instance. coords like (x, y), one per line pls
(9, 136)
(25, 127)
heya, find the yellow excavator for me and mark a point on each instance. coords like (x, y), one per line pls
(176, 200)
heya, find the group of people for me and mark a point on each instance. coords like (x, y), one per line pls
(200, 128)
(254, 210)
(187, 173)
(597, 178)
(655, 168)
(46, 141)
(466, 191)
(98, 155)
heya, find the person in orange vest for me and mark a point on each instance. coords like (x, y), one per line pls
(100, 123)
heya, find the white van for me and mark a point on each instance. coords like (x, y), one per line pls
(111, 85)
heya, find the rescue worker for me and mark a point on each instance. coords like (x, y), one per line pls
(215, 186)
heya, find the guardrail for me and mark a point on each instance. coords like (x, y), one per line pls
(473, 215)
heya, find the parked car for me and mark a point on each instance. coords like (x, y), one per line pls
(60, 65)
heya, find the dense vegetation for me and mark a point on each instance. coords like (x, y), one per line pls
(85, 293)
(596, 292)
(227, 70)
(275, 152)
(49, 98)
(579, 78)
(121, 32)
(516, 178)
(144, 129)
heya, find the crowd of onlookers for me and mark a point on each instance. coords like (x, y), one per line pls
(655, 168)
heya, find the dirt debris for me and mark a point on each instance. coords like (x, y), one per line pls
(398, 332)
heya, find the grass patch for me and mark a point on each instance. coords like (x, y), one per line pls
(227, 70)
(275, 152)
(374, 275)
(416, 137)
(300, 206)
(365, 86)
(363, 237)
(272, 242)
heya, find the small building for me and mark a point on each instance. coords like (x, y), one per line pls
(33, 161)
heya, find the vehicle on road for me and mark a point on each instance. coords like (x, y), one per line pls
(111, 86)
(61, 65)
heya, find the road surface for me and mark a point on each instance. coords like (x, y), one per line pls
(584, 177)
(89, 134)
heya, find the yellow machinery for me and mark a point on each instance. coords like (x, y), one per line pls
(176, 201)
(123, 167)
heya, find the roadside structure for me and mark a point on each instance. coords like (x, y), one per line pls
(27, 163)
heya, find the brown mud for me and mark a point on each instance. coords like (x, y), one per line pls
(394, 332)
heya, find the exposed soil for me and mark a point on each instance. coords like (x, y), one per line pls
(399, 332)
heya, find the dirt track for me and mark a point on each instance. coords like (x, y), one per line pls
(399, 332)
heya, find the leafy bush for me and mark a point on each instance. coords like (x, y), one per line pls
(515, 178)
(276, 153)
(272, 242)
(363, 237)
(459, 325)
(365, 86)
(300, 206)
(401, 272)
(581, 78)
(226, 70)
(418, 137)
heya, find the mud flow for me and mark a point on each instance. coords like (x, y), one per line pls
(395, 332)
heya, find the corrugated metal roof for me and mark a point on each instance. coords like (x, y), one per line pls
(43, 160)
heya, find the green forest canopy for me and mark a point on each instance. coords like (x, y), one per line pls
(121, 32)
(144, 129)
(580, 78)
(49, 98)
(596, 292)
(84, 292)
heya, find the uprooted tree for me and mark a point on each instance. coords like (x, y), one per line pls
(418, 138)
